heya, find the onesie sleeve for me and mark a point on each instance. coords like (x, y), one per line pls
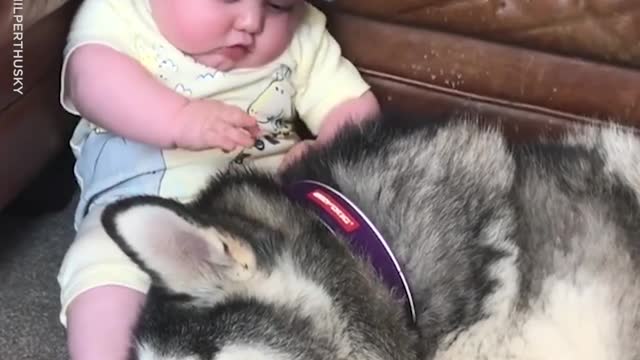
(96, 22)
(324, 78)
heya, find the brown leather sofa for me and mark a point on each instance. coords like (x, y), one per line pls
(535, 66)
(33, 127)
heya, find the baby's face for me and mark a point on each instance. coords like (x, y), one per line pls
(229, 34)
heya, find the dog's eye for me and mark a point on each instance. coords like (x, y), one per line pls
(225, 247)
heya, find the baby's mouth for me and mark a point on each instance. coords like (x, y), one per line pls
(234, 52)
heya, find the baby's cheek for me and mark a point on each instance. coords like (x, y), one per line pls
(191, 28)
(197, 38)
(277, 36)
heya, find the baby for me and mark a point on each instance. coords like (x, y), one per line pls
(170, 92)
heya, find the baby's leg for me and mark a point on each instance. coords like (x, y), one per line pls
(102, 291)
(99, 322)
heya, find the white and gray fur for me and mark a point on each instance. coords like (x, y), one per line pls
(527, 251)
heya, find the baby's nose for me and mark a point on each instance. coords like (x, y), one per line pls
(251, 20)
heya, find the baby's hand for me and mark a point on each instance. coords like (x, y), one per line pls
(206, 124)
(295, 153)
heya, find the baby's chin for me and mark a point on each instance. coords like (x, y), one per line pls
(215, 61)
(222, 63)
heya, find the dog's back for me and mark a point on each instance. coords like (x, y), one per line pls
(511, 251)
(579, 242)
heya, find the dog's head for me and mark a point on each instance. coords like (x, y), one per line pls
(243, 273)
(216, 291)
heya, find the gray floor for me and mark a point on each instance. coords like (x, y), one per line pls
(31, 250)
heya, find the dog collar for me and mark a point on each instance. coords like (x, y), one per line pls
(340, 215)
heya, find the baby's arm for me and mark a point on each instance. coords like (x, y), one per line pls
(355, 110)
(116, 93)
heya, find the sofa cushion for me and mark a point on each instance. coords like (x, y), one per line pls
(606, 30)
(416, 56)
(480, 70)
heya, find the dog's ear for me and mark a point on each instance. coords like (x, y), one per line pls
(180, 252)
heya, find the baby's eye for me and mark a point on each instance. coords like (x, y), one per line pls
(280, 7)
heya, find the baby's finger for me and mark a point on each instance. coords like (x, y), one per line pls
(254, 131)
(240, 136)
(220, 141)
(241, 119)
(238, 118)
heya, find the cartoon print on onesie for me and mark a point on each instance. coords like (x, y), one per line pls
(154, 57)
(151, 56)
(273, 109)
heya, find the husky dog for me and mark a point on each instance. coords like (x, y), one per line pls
(512, 251)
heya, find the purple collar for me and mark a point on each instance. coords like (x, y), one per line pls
(339, 214)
